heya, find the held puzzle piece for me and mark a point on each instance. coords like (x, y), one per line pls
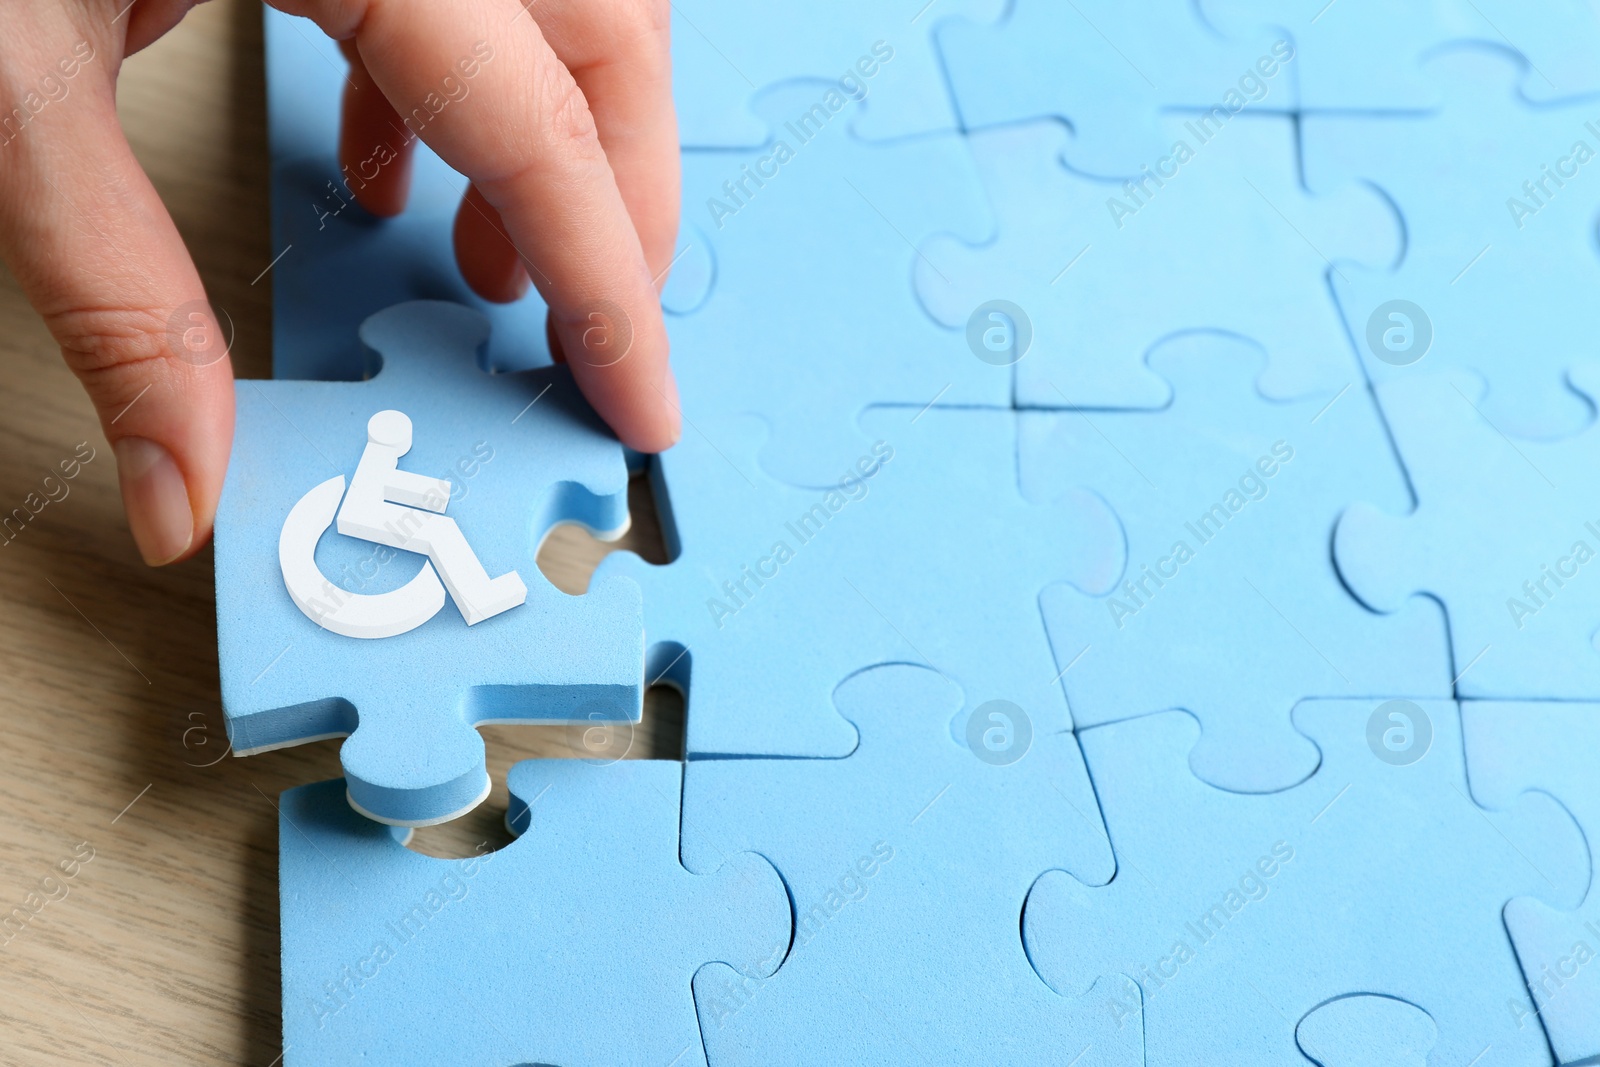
(522, 955)
(724, 53)
(495, 461)
(1551, 748)
(907, 885)
(779, 593)
(812, 317)
(1223, 242)
(1367, 1030)
(1368, 55)
(1108, 69)
(337, 264)
(1230, 606)
(1238, 915)
(1503, 535)
(1499, 205)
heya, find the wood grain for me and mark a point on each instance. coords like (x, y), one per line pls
(163, 947)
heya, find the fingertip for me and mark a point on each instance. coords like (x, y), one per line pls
(156, 499)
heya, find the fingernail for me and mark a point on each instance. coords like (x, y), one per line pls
(156, 500)
(674, 412)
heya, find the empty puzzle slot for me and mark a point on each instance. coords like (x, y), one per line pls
(570, 554)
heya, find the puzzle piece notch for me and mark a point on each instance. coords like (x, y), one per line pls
(525, 452)
(1218, 906)
(1547, 747)
(921, 837)
(526, 946)
(1367, 1030)
(1521, 626)
(811, 191)
(725, 56)
(785, 592)
(1491, 225)
(1232, 220)
(1114, 68)
(1226, 500)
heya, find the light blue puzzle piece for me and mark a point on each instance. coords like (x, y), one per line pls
(1109, 69)
(1367, 55)
(725, 53)
(1494, 266)
(907, 864)
(1232, 243)
(812, 317)
(522, 453)
(779, 593)
(1238, 915)
(1363, 1030)
(337, 264)
(1503, 535)
(1230, 606)
(526, 955)
(1549, 747)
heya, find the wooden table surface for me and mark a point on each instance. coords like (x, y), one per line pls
(163, 947)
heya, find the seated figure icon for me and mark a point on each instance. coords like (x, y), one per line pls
(398, 509)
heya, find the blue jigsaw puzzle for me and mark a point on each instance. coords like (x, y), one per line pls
(769, 218)
(1549, 748)
(1109, 69)
(1238, 915)
(1228, 241)
(1368, 55)
(1500, 535)
(1229, 606)
(521, 956)
(1499, 241)
(908, 887)
(511, 455)
(779, 593)
(725, 53)
(1367, 1030)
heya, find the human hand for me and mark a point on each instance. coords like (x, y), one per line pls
(568, 138)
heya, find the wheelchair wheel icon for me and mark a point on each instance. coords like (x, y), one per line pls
(367, 615)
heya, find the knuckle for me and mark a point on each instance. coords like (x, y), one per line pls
(565, 118)
(111, 348)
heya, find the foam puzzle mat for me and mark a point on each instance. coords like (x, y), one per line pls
(1128, 558)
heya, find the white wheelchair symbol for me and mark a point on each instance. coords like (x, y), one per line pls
(399, 509)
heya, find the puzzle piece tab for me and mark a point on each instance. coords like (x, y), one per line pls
(1228, 241)
(725, 53)
(1364, 1030)
(1109, 70)
(514, 455)
(522, 955)
(907, 884)
(793, 328)
(1501, 535)
(1499, 204)
(1238, 915)
(1230, 606)
(780, 593)
(1549, 747)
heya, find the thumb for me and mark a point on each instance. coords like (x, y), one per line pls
(100, 259)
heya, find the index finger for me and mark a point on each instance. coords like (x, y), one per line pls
(479, 85)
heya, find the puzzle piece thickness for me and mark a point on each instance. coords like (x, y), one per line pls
(1502, 535)
(1238, 915)
(518, 956)
(1228, 242)
(1230, 606)
(907, 885)
(1499, 201)
(809, 348)
(520, 453)
(1549, 747)
(781, 592)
